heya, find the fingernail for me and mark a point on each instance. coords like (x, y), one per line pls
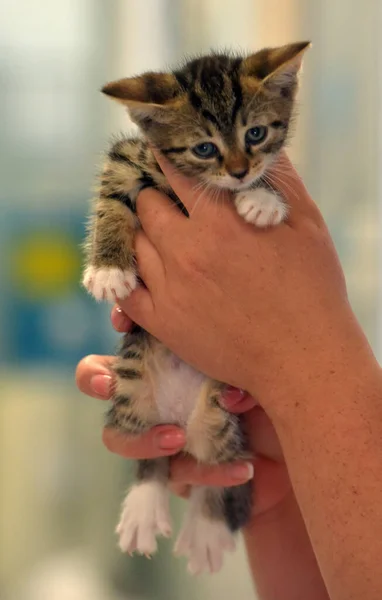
(233, 395)
(243, 471)
(171, 440)
(101, 385)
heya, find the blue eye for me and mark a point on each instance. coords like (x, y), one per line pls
(205, 150)
(255, 135)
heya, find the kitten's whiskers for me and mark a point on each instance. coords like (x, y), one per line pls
(277, 177)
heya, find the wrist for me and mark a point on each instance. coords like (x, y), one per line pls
(329, 425)
(318, 368)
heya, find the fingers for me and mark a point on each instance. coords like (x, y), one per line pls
(190, 191)
(288, 182)
(270, 481)
(182, 186)
(140, 308)
(157, 214)
(150, 264)
(180, 489)
(93, 376)
(163, 440)
(237, 401)
(120, 320)
(185, 471)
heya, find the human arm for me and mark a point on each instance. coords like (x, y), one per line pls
(292, 340)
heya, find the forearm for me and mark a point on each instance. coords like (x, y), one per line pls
(331, 435)
(281, 556)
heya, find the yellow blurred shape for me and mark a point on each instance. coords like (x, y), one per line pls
(45, 265)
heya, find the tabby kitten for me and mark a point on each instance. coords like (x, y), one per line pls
(223, 120)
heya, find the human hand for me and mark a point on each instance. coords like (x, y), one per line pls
(243, 305)
(271, 482)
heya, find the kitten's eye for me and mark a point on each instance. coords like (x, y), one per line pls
(255, 135)
(205, 150)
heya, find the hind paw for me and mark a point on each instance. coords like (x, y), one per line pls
(204, 541)
(145, 515)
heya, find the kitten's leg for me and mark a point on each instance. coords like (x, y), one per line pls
(110, 270)
(213, 436)
(205, 535)
(261, 206)
(145, 511)
(133, 409)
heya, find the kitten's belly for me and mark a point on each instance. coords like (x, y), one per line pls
(177, 388)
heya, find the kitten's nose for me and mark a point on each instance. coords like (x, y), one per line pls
(239, 174)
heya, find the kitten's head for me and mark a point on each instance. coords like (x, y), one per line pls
(220, 118)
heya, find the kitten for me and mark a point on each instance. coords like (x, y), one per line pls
(223, 120)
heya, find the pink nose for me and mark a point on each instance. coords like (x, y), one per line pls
(239, 174)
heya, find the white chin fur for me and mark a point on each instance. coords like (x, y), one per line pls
(233, 185)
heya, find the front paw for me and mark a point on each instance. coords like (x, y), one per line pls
(261, 207)
(109, 283)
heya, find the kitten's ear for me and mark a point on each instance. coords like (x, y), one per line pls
(147, 96)
(277, 68)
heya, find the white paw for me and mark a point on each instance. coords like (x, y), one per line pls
(145, 514)
(109, 283)
(261, 207)
(204, 542)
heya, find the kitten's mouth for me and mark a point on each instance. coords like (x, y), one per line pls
(234, 185)
(238, 187)
(227, 182)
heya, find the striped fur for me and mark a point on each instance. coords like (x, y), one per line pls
(217, 99)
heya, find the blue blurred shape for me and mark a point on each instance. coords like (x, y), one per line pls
(46, 317)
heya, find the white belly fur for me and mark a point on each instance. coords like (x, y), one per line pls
(177, 386)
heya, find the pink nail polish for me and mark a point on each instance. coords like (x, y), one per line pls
(171, 440)
(242, 471)
(233, 395)
(101, 385)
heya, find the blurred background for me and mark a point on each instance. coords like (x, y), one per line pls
(60, 489)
